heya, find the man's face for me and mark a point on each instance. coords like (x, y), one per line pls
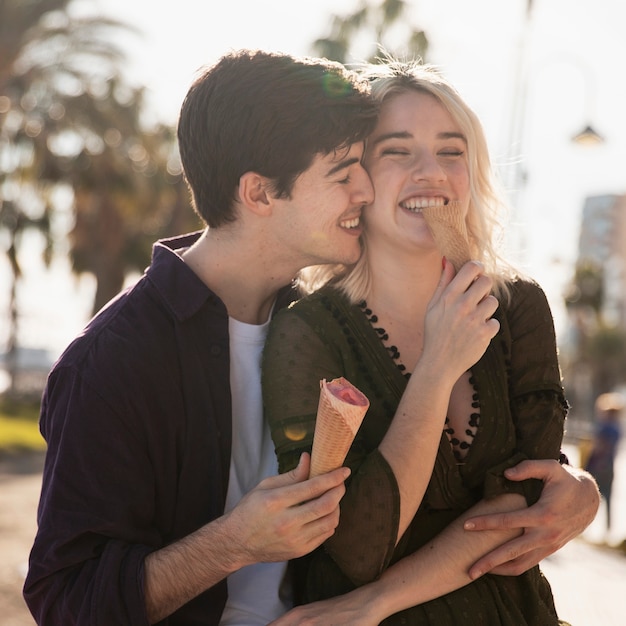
(320, 222)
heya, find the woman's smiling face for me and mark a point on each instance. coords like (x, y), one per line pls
(416, 157)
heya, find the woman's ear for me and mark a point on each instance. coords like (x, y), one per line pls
(253, 193)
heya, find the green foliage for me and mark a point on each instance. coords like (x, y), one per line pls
(22, 410)
(70, 122)
(19, 427)
(600, 348)
(605, 351)
(377, 24)
(587, 287)
(19, 435)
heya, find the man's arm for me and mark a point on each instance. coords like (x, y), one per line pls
(568, 504)
(284, 517)
(439, 567)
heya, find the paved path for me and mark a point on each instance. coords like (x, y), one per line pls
(20, 483)
(588, 583)
(588, 578)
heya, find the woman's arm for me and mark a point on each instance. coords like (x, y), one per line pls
(458, 328)
(439, 567)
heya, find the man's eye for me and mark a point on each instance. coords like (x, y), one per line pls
(345, 181)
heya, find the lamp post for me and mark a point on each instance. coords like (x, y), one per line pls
(516, 167)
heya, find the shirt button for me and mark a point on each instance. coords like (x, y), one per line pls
(215, 350)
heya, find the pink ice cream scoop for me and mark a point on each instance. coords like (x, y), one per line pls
(340, 412)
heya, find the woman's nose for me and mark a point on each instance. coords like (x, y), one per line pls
(427, 167)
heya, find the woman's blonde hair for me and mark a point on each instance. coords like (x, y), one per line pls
(393, 78)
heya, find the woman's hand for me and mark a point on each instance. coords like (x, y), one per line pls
(351, 609)
(459, 323)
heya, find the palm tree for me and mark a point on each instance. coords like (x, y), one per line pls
(128, 190)
(380, 22)
(63, 106)
(45, 59)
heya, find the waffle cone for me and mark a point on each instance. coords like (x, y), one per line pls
(447, 225)
(340, 412)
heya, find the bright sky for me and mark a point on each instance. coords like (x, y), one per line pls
(576, 56)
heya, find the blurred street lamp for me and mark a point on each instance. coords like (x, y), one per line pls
(588, 137)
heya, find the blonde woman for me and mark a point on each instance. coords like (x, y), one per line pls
(460, 369)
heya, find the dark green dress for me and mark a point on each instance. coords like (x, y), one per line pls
(522, 408)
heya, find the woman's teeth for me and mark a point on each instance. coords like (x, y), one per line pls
(416, 204)
(352, 223)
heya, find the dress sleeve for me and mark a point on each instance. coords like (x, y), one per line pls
(296, 357)
(294, 361)
(538, 404)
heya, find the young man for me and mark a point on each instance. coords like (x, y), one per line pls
(153, 416)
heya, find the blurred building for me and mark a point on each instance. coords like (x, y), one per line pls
(591, 356)
(603, 243)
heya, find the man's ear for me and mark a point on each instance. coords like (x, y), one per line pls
(253, 193)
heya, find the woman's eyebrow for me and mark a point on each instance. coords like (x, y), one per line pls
(395, 135)
(406, 135)
(452, 135)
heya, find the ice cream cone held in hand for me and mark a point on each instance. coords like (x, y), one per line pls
(447, 225)
(340, 412)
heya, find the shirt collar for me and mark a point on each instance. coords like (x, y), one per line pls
(180, 288)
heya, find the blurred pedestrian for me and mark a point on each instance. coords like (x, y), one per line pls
(608, 432)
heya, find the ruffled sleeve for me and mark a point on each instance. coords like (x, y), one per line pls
(537, 398)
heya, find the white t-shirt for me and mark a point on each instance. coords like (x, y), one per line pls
(256, 594)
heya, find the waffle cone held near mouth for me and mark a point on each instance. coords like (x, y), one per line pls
(340, 412)
(447, 225)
